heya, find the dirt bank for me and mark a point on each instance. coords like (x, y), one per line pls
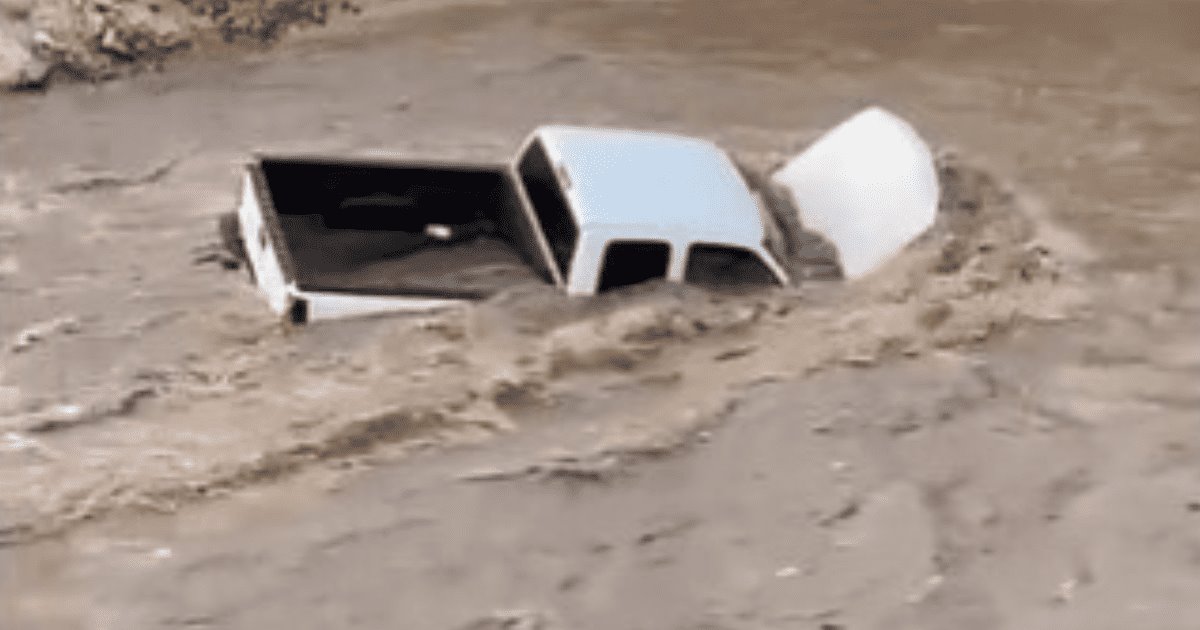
(100, 39)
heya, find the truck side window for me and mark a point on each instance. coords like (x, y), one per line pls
(631, 262)
(722, 266)
(549, 204)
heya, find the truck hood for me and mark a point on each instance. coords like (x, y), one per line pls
(869, 186)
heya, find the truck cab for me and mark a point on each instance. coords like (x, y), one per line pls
(619, 207)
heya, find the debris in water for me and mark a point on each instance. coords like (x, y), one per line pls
(214, 254)
(736, 353)
(70, 415)
(27, 338)
(519, 619)
(588, 468)
(931, 584)
(15, 442)
(1066, 591)
(787, 572)
(110, 180)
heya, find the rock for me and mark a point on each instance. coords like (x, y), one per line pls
(97, 39)
(18, 65)
(42, 39)
(135, 30)
(112, 42)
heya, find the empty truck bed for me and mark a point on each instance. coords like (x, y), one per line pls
(359, 227)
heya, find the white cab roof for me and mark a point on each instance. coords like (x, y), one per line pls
(654, 185)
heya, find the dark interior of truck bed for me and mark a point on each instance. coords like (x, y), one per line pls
(359, 227)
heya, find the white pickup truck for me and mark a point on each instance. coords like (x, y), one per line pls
(585, 209)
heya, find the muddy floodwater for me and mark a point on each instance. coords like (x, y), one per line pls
(998, 430)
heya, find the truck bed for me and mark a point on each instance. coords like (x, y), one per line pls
(358, 227)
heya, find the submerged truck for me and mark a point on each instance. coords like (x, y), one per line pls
(584, 209)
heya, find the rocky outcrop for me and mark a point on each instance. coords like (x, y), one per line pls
(98, 39)
(19, 67)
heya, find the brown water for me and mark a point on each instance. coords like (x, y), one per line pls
(1048, 488)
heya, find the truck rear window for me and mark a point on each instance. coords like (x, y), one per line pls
(549, 204)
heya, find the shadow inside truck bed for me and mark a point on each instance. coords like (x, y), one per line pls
(358, 227)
